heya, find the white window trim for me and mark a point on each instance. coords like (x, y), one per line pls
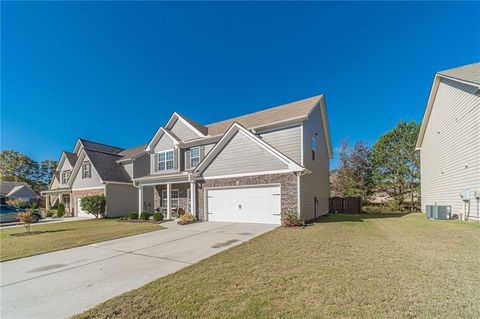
(165, 161)
(84, 171)
(196, 157)
(65, 176)
(172, 200)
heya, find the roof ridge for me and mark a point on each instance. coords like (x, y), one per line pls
(97, 151)
(82, 139)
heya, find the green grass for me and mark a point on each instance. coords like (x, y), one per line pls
(51, 237)
(345, 266)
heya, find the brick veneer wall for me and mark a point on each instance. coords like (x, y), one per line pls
(287, 181)
(81, 193)
(182, 194)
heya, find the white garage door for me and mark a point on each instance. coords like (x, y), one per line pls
(244, 204)
(80, 211)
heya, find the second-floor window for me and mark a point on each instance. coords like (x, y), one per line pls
(194, 156)
(86, 170)
(314, 147)
(65, 176)
(165, 161)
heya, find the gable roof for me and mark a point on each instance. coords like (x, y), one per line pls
(100, 147)
(295, 110)
(26, 190)
(234, 128)
(7, 186)
(107, 167)
(161, 131)
(132, 152)
(469, 74)
(71, 157)
(199, 127)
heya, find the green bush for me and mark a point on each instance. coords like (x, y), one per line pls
(158, 216)
(144, 215)
(61, 210)
(290, 219)
(94, 205)
(51, 212)
(132, 215)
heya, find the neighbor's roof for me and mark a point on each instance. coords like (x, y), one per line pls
(468, 73)
(26, 190)
(107, 167)
(6, 186)
(280, 113)
(132, 152)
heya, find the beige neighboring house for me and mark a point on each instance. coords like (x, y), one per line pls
(449, 141)
(95, 169)
(17, 190)
(250, 168)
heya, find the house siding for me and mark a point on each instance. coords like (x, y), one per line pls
(315, 184)
(141, 166)
(242, 155)
(93, 181)
(121, 199)
(450, 151)
(183, 131)
(287, 181)
(287, 140)
(57, 179)
(164, 144)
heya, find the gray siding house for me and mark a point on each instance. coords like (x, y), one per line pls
(449, 142)
(250, 168)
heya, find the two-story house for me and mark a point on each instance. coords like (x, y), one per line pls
(95, 169)
(250, 168)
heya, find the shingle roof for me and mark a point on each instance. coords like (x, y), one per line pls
(7, 186)
(468, 73)
(132, 151)
(276, 114)
(107, 167)
(202, 128)
(71, 157)
(26, 190)
(100, 147)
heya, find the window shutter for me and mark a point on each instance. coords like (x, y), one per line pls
(187, 159)
(175, 159)
(155, 162)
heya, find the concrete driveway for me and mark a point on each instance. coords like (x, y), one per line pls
(67, 282)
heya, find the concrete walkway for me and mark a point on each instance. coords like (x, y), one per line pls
(48, 220)
(61, 284)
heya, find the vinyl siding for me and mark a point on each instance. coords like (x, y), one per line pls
(93, 181)
(141, 166)
(450, 152)
(121, 199)
(57, 182)
(288, 141)
(164, 144)
(315, 184)
(183, 131)
(242, 155)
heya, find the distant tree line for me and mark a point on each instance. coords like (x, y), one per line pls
(17, 167)
(390, 169)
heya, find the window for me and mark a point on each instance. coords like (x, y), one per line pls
(65, 177)
(194, 156)
(174, 195)
(314, 147)
(86, 170)
(165, 161)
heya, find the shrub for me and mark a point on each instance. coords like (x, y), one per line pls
(94, 205)
(61, 210)
(157, 216)
(186, 218)
(290, 219)
(132, 215)
(51, 212)
(144, 215)
(34, 206)
(26, 219)
(17, 202)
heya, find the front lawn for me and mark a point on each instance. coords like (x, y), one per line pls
(51, 237)
(345, 266)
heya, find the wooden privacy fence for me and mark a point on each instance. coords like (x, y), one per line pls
(348, 205)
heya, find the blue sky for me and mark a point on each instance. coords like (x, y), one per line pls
(114, 72)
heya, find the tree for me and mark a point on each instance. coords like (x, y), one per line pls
(396, 164)
(94, 205)
(17, 167)
(354, 176)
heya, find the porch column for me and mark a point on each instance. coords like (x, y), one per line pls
(193, 200)
(47, 202)
(60, 199)
(140, 199)
(169, 191)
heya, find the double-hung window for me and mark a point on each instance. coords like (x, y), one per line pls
(174, 195)
(86, 169)
(194, 156)
(165, 161)
(65, 177)
(314, 147)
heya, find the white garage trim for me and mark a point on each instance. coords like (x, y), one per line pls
(240, 187)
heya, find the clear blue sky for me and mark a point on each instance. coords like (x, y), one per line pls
(114, 72)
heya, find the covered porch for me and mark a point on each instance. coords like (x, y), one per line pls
(172, 194)
(54, 197)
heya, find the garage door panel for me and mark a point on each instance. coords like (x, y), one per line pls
(80, 211)
(245, 204)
